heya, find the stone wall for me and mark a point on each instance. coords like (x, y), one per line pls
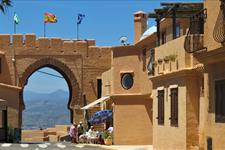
(79, 61)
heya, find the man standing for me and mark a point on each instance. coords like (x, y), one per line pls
(73, 133)
(80, 129)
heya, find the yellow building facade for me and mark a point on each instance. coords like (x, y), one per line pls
(166, 90)
(176, 100)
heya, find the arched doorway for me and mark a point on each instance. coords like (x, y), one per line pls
(65, 71)
(46, 97)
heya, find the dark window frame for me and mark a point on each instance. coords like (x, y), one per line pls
(99, 88)
(219, 101)
(144, 51)
(174, 107)
(163, 37)
(178, 33)
(127, 77)
(150, 66)
(0, 65)
(161, 106)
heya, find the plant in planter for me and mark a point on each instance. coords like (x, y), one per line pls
(160, 60)
(172, 57)
(107, 138)
(166, 59)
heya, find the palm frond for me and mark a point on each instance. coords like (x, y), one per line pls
(4, 5)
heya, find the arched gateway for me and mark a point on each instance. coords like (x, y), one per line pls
(63, 69)
(79, 61)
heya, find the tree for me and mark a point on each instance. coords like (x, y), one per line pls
(4, 4)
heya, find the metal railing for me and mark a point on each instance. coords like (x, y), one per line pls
(219, 29)
(194, 39)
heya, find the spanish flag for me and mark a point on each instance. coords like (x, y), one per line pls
(49, 18)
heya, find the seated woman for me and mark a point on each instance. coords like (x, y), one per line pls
(92, 136)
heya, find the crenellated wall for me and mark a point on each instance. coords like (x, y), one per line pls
(79, 61)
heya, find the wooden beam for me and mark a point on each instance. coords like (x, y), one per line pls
(182, 4)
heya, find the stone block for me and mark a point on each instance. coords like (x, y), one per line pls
(4, 42)
(56, 44)
(53, 138)
(91, 42)
(62, 128)
(68, 46)
(30, 40)
(17, 40)
(82, 47)
(43, 43)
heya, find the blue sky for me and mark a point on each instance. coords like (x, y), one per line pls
(106, 21)
(43, 83)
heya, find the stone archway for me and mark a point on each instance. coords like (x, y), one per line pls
(75, 90)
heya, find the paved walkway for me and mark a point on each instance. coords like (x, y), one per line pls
(49, 146)
(124, 147)
(132, 147)
(69, 146)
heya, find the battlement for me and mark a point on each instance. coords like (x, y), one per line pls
(29, 41)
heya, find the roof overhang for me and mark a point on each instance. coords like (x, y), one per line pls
(102, 99)
(183, 10)
(145, 95)
(2, 53)
(11, 86)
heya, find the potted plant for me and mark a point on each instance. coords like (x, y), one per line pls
(166, 59)
(172, 57)
(160, 60)
(107, 138)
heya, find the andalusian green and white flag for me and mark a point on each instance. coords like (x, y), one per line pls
(16, 19)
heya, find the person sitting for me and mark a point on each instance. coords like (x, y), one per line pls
(110, 129)
(92, 136)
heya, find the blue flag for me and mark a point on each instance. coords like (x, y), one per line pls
(80, 18)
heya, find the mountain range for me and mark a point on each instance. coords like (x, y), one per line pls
(44, 110)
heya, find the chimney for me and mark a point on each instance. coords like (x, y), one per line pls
(140, 25)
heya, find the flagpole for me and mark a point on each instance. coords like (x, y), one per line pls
(77, 31)
(44, 29)
(14, 23)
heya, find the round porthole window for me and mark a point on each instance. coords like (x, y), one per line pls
(127, 81)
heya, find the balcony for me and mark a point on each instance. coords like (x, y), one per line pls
(171, 57)
(194, 43)
(194, 40)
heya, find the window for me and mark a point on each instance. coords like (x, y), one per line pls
(127, 81)
(0, 65)
(202, 88)
(163, 37)
(160, 107)
(150, 66)
(220, 100)
(177, 30)
(144, 59)
(99, 87)
(174, 107)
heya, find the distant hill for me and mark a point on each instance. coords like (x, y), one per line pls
(43, 110)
